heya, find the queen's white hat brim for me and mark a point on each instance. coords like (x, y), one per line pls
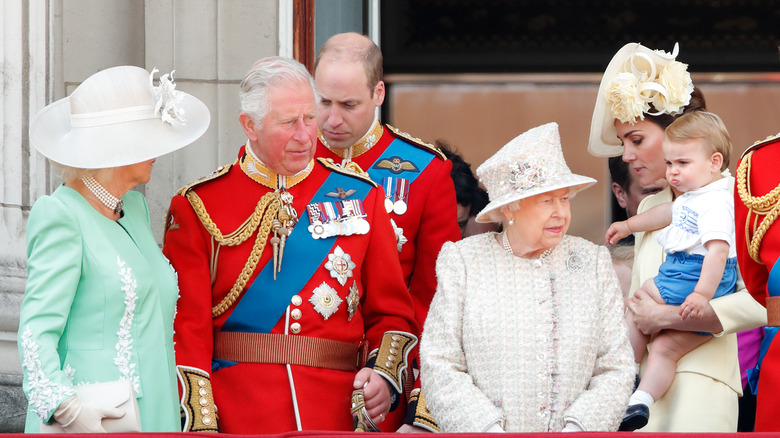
(492, 211)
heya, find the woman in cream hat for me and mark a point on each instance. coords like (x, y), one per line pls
(526, 332)
(641, 93)
(100, 297)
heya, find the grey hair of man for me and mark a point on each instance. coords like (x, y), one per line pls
(265, 75)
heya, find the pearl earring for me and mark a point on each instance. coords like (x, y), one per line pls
(512, 221)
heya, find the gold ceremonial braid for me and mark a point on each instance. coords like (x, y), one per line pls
(241, 233)
(767, 206)
(361, 146)
(264, 214)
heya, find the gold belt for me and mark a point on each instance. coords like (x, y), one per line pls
(286, 349)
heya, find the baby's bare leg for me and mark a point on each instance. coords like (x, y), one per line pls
(638, 339)
(667, 348)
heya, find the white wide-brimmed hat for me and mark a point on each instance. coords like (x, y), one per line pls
(530, 164)
(635, 78)
(116, 117)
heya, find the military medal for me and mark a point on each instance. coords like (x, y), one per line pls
(401, 192)
(325, 300)
(353, 299)
(340, 218)
(389, 186)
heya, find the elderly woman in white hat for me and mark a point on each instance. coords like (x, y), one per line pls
(526, 330)
(100, 297)
(641, 93)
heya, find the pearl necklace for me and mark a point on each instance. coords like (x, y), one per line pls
(103, 195)
(508, 248)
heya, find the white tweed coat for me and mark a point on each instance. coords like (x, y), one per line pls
(526, 345)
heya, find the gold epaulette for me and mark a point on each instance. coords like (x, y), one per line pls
(417, 142)
(330, 164)
(761, 143)
(221, 170)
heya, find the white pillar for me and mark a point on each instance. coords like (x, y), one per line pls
(23, 178)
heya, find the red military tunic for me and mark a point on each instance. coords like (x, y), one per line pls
(257, 398)
(757, 175)
(431, 217)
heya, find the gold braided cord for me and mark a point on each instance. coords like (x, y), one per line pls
(264, 214)
(251, 263)
(767, 206)
(241, 233)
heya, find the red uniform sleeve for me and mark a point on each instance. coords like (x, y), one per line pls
(438, 224)
(387, 304)
(188, 249)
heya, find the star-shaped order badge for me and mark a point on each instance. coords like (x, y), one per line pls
(325, 300)
(399, 235)
(340, 265)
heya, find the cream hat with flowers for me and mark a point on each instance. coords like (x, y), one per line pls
(635, 78)
(531, 164)
(116, 117)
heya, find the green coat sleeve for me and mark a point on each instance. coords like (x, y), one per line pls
(54, 258)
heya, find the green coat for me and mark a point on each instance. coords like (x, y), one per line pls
(98, 306)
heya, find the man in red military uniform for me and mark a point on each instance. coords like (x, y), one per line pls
(415, 176)
(756, 207)
(284, 278)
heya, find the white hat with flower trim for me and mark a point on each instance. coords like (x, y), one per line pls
(635, 78)
(116, 117)
(531, 164)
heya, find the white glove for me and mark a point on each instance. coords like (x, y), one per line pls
(572, 425)
(78, 417)
(495, 428)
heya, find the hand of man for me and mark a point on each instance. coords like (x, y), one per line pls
(644, 308)
(376, 393)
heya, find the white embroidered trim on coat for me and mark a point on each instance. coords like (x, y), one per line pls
(69, 371)
(124, 344)
(44, 395)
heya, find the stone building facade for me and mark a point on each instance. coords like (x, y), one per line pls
(50, 46)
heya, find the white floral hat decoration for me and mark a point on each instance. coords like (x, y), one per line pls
(530, 164)
(635, 78)
(117, 117)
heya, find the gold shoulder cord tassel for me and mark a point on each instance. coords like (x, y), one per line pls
(767, 206)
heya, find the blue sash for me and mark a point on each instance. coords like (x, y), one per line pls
(265, 301)
(399, 148)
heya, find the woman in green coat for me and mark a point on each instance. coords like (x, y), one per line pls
(100, 296)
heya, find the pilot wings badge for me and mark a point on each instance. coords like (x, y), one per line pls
(396, 165)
